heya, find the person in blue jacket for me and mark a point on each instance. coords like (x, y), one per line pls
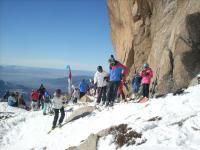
(83, 87)
(12, 100)
(116, 75)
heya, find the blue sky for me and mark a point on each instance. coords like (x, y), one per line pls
(54, 33)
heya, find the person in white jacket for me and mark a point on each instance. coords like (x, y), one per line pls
(100, 79)
(57, 103)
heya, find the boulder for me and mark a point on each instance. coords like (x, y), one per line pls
(81, 112)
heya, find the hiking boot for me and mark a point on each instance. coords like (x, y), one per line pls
(107, 103)
(111, 104)
(59, 125)
(53, 128)
(44, 113)
(103, 103)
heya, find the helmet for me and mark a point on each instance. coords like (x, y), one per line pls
(146, 65)
(99, 68)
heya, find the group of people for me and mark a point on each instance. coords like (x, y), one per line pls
(15, 99)
(41, 99)
(107, 85)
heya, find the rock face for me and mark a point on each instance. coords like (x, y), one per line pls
(163, 33)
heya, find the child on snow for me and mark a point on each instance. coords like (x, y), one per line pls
(146, 75)
(58, 105)
(12, 100)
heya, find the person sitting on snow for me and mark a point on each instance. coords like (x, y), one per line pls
(58, 105)
(146, 75)
(12, 100)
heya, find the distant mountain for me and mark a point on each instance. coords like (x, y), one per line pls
(5, 86)
(62, 83)
(33, 77)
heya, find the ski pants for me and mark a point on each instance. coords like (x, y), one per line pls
(112, 90)
(34, 105)
(56, 115)
(146, 90)
(47, 107)
(82, 94)
(41, 103)
(101, 94)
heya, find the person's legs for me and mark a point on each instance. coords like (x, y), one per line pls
(62, 111)
(147, 91)
(44, 108)
(56, 113)
(109, 93)
(114, 93)
(104, 94)
(99, 92)
(82, 94)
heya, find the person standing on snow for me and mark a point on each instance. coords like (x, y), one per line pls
(47, 102)
(117, 73)
(41, 93)
(100, 80)
(84, 87)
(34, 100)
(58, 105)
(146, 75)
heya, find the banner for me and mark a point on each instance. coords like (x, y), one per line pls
(69, 79)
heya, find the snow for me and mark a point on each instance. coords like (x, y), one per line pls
(28, 130)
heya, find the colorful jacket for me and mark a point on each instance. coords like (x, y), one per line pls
(12, 101)
(35, 95)
(57, 102)
(117, 72)
(146, 75)
(83, 86)
(99, 78)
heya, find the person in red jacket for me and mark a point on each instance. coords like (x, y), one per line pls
(34, 99)
(146, 75)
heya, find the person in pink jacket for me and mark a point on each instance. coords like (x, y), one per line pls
(146, 75)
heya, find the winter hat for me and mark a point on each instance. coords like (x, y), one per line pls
(99, 68)
(58, 91)
(146, 65)
(111, 59)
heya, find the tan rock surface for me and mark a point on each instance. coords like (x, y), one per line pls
(164, 33)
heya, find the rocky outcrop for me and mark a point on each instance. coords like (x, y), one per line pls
(79, 113)
(163, 33)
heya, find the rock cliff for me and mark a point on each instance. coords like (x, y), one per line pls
(163, 33)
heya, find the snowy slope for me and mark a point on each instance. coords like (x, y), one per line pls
(178, 129)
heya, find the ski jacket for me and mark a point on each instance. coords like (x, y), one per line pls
(99, 78)
(83, 86)
(57, 102)
(146, 75)
(12, 101)
(136, 83)
(35, 95)
(117, 72)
